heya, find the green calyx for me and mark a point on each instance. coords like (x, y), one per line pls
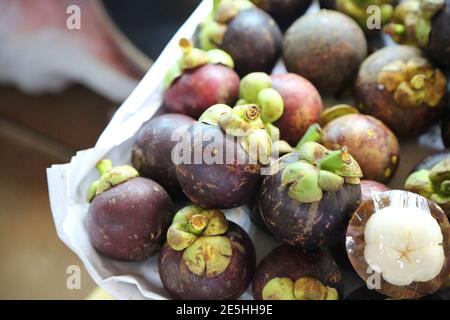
(317, 170)
(433, 184)
(313, 134)
(213, 29)
(281, 147)
(199, 233)
(208, 256)
(411, 23)
(193, 221)
(305, 288)
(244, 121)
(109, 177)
(358, 10)
(414, 82)
(256, 87)
(193, 58)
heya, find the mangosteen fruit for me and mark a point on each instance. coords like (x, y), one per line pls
(400, 87)
(248, 34)
(206, 256)
(326, 48)
(373, 145)
(425, 24)
(302, 105)
(152, 151)
(289, 273)
(432, 183)
(309, 195)
(129, 215)
(222, 155)
(399, 244)
(284, 11)
(370, 188)
(200, 79)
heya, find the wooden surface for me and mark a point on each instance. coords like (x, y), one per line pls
(36, 132)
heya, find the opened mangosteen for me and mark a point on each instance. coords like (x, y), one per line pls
(248, 34)
(199, 80)
(152, 152)
(289, 273)
(432, 181)
(400, 87)
(309, 195)
(128, 216)
(284, 11)
(370, 188)
(399, 243)
(425, 24)
(302, 105)
(222, 156)
(326, 48)
(372, 144)
(206, 256)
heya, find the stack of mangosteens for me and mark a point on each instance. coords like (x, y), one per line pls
(234, 134)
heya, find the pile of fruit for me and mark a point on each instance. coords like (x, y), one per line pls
(233, 134)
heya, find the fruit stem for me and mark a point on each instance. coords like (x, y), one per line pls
(313, 134)
(197, 223)
(186, 45)
(334, 160)
(104, 166)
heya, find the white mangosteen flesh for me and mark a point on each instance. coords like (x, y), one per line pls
(404, 245)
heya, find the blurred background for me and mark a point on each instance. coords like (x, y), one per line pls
(65, 67)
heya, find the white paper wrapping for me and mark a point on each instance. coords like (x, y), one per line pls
(68, 184)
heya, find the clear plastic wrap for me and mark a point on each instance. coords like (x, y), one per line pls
(399, 243)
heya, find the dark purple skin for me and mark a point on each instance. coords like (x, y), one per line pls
(255, 215)
(326, 48)
(198, 89)
(295, 263)
(254, 40)
(218, 185)
(445, 125)
(328, 4)
(429, 162)
(439, 44)
(303, 224)
(284, 11)
(182, 284)
(151, 155)
(370, 187)
(129, 221)
(365, 293)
